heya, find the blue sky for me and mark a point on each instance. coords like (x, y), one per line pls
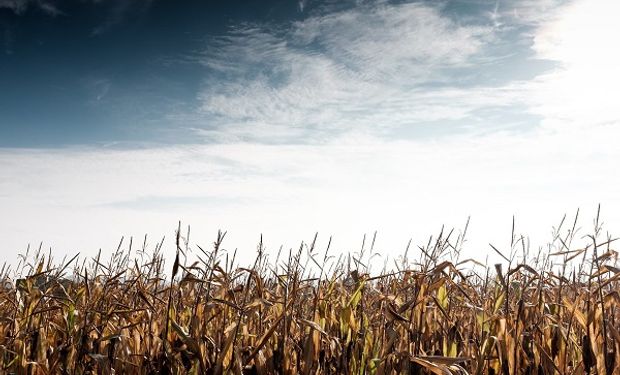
(290, 117)
(99, 72)
(84, 72)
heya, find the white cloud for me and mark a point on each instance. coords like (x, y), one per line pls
(583, 90)
(383, 68)
(20, 6)
(98, 87)
(84, 198)
(367, 69)
(528, 12)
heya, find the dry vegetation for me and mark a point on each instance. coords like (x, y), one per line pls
(302, 313)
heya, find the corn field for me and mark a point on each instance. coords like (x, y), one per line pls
(307, 312)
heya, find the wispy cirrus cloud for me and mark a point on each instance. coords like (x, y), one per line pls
(115, 11)
(98, 88)
(411, 70)
(528, 12)
(20, 6)
(370, 68)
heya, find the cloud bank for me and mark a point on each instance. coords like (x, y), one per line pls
(83, 199)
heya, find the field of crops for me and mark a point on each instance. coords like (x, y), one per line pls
(306, 312)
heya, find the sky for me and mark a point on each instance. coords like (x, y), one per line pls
(286, 118)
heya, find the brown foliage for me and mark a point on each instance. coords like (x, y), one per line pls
(434, 316)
